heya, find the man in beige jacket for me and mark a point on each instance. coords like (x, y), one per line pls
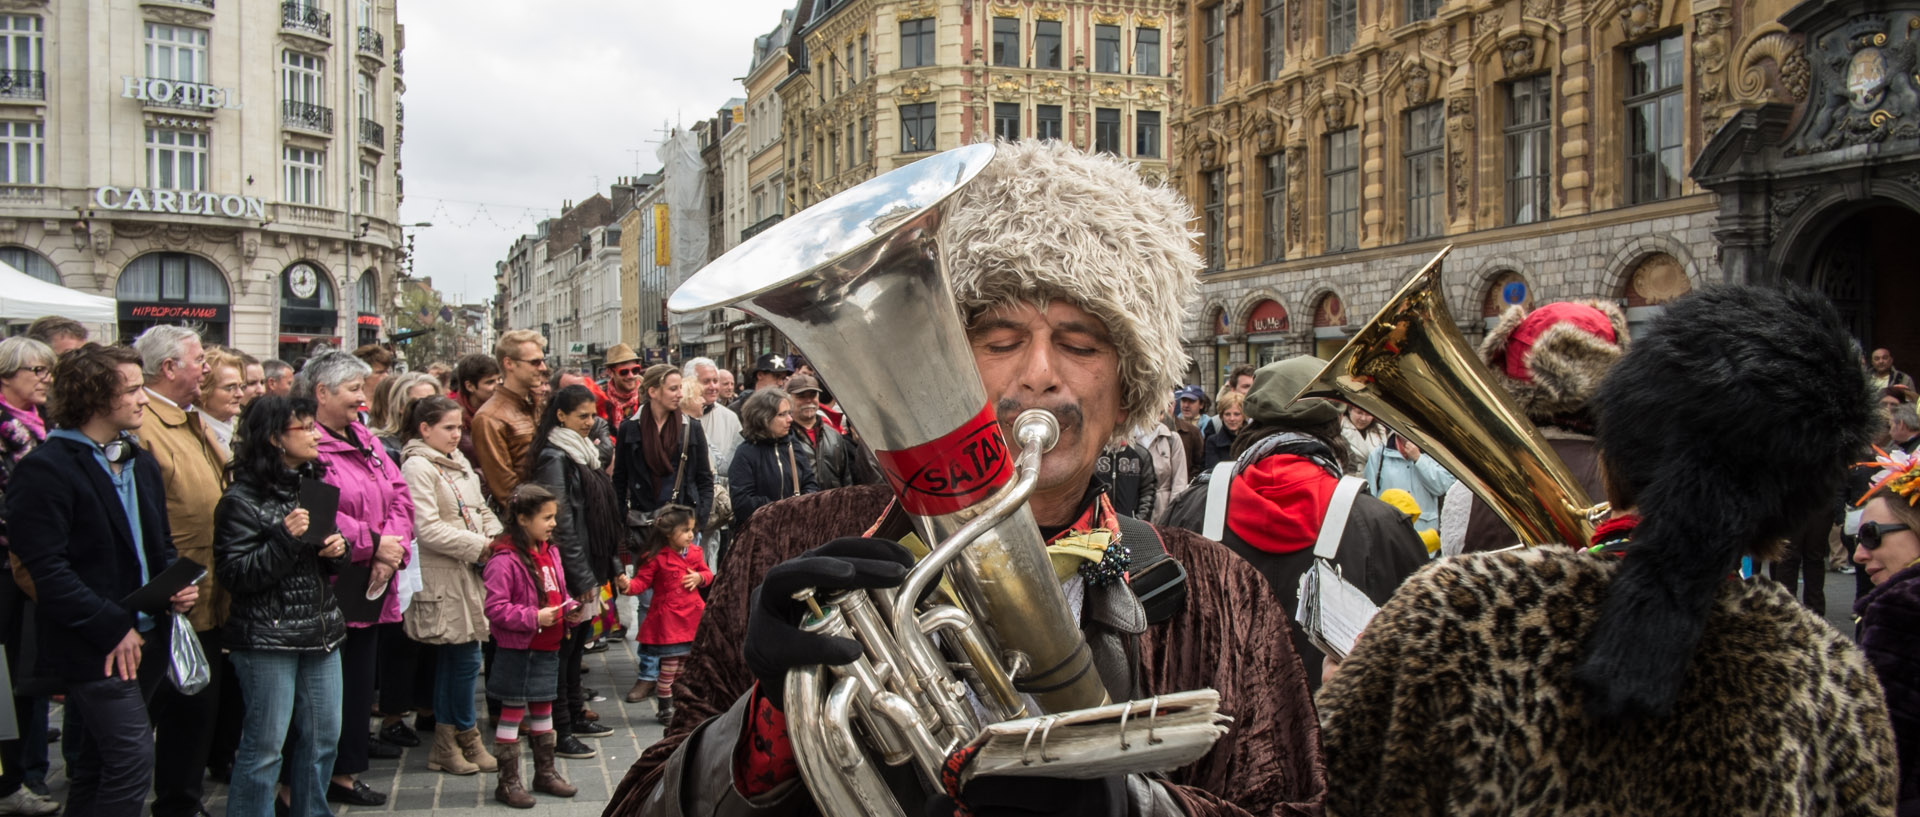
(174, 361)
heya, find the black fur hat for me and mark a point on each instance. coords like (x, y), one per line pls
(1726, 426)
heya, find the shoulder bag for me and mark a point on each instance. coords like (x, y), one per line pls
(638, 520)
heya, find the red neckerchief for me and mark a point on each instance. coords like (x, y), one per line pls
(1612, 536)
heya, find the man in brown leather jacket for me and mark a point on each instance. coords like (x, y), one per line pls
(1071, 292)
(503, 428)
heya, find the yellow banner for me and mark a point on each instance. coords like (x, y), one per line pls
(660, 255)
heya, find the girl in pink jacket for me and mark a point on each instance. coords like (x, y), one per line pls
(527, 604)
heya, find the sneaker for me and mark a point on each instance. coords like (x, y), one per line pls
(24, 801)
(599, 645)
(592, 695)
(591, 729)
(570, 746)
(1847, 569)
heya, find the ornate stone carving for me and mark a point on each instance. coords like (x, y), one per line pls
(916, 10)
(1516, 55)
(1349, 73)
(171, 14)
(1049, 13)
(1539, 9)
(1790, 65)
(1209, 152)
(1296, 193)
(1863, 90)
(1710, 35)
(1152, 94)
(1785, 204)
(1005, 11)
(1007, 85)
(1146, 21)
(1231, 7)
(1294, 15)
(1488, 22)
(1050, 90)
(1109, 91)
(1459, 138)
(1333, 108)
(1263, 131)
(1638, 18)
(1106, 18)
(101, 232)
(916, 88)
(23, 5)
(1435, 42)
(1418, 82)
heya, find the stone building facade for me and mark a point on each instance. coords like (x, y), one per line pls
(1331, 147)
(234, 167)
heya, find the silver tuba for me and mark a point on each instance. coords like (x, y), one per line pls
(857, 282)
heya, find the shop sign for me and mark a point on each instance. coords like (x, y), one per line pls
(368, 320)
(182, 202)
(1268, 317)
(172, 312)
(173, 92)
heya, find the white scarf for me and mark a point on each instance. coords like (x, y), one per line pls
(577, 447)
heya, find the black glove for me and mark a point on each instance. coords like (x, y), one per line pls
(1000, 796)
(775, 642)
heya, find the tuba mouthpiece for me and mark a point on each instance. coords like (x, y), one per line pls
(1036, 426)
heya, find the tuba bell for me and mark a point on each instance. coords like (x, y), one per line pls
(857, 283)
(1410, 367)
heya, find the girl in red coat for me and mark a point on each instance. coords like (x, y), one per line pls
(673, 566)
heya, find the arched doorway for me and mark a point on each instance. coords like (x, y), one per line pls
(1329, 326)
(1506, 289)
(31, 263)
(309, 310)
(366, 299)
(1655, 280)
(1269, 330)
(1862, 266)
(173, 288)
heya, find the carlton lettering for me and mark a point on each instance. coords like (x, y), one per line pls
(181, 202)
(173, 92)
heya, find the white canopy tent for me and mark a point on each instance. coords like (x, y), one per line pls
(24, 297)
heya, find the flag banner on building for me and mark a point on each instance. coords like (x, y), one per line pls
(661, 256)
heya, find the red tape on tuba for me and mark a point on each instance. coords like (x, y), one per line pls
(953, 472)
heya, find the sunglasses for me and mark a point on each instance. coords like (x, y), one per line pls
(1870, 532)
(627, 370)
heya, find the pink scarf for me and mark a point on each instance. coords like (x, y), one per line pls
(28, 417)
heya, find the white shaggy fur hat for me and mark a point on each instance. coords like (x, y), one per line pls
(1046, 221)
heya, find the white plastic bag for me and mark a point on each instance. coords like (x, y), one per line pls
(188, 666)
(409, 583)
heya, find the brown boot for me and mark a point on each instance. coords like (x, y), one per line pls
(475, 750)
(641, 691)
(546, 778)
(446, 755)
(510, 791)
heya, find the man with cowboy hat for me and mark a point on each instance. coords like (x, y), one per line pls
(1071, 291)
(770, 371)
(621, 395)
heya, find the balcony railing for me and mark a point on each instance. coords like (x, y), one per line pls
(760, 226)
(306, 116)
(372, 43)
(21, 194)
(205, 4)
(22, 84)
(302, 17)
(371, 133)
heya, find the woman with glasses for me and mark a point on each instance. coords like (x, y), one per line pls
(1888, 552)
(285, 627)
(25, 369)
(222, 390)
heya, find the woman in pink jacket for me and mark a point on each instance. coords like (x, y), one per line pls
(376, 519)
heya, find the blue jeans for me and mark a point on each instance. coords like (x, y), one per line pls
(649, 664)
(282, 690)
(455, 671)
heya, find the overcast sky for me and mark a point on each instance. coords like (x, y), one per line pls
(519, 105)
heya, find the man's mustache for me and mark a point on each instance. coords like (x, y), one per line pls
(1068, 414)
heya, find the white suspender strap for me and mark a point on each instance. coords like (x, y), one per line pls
(1338, 509)
(1215, 526)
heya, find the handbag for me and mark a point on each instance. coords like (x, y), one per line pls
(639, 520)
(187, 663)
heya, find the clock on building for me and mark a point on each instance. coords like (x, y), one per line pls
(303, 280)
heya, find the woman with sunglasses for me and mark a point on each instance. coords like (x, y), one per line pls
(25, 366)
(1888, 552)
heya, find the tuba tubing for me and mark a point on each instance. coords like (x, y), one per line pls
(1410, 367)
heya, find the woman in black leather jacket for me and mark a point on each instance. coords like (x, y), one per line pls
(588, 531)
(285, 625)
(770, 465)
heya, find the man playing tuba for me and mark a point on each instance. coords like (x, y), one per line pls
(1073, 278)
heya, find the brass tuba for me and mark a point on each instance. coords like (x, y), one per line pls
(1410, 367)
(857, 283)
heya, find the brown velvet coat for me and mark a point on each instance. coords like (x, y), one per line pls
(1231, 637)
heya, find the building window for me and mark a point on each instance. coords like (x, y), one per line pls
(1343, 189)
(916, 127)
(1529, 166)
(1422, 9)
(1106, 49)
(1426, 170)
(1216, 214)
(866, 127)
(1006, 41)
(1655, 121)
(363, 95)
(1146, 134)
(833, 153)
(23, 153)
(1216, 52)
(1046, 44)
(302, 78)
(31, 263)
(850, 69)
(1274, 198)
(865, 69)
(853, 156)
(176, 159)
(1106, 130)
(1341, 18)
(1273, 49)
(1006, 120)
(176, 53)
(368, 185)
(21, 76)
(1046, 121)
(305, 176)
(1146, 52)
(916, 43)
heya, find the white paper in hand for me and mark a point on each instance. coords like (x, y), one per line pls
(1332, 610)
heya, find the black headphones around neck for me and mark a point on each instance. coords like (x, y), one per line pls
(121, 450)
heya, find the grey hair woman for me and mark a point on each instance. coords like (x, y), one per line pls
(769, 466)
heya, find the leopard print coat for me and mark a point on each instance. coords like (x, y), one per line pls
(1460, 700)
